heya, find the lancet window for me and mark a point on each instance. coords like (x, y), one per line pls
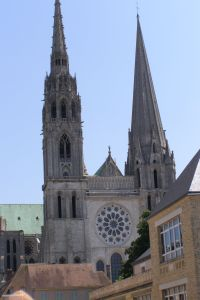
(65, 148)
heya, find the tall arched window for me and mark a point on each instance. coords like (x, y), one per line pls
(65, 148)
(100, 266)
(154, 148)
(149, 202)
(73, 110)
(63, 110)
(155, 176)
(59, 207)
(8, 246)
(14, 246)
(74, 214)
(53, 110)
(116, 264)
(138, 178)
(8, 261)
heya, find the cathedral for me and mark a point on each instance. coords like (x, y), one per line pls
(93, 219)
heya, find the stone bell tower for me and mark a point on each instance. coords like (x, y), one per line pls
(64, 185)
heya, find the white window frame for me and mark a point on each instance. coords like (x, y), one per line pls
(171, 239)
(175, 293)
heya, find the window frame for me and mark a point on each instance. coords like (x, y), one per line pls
(171, 239)
(175, 292)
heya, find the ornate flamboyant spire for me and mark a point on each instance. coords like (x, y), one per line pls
(59, 57)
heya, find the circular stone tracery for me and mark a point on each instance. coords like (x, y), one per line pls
(113, 224)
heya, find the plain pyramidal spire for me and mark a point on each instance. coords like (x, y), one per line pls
(145, 116)
(149, 157)
(59, 58)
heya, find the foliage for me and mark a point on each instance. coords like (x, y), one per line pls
(138, 247)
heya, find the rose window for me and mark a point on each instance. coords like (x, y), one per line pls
(113, 224)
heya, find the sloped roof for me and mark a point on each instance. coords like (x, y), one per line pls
(58, 277)
(109, 168)
(146, 255)
(26, 217)
(187, 183)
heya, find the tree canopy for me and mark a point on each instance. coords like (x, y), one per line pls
(138, 247)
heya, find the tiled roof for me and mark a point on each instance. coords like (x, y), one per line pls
(188, 182)
(109, 168)
(58, 277)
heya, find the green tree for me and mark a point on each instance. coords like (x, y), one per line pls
(139, 246)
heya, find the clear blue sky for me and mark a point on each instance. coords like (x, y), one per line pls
(100, 37)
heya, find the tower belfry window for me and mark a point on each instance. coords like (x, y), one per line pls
(155, 175)
(65, 148)
(138, 178)
(63, 110)
(154, 148)
(149, 202)
(74, 214)
(53, 110)
(59, 207)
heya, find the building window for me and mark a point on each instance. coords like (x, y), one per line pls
(53, 110)
(8, 261)
(65, 148)
(171, 239)
(175, 293)
(100, 266)
(14, 246)
(74, 214)
(8, 246)
(63, 111)
(59, 207)
(154, 148)
(138, 178)
(116, 263)
(155, 176)
(14, 263)
(74, 295)
(144, 297)
(43, 295)
(59, 295)
(149, 202)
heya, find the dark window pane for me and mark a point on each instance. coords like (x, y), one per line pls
(116, 262)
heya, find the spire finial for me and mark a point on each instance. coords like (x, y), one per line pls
(109, 150)
(137, 8)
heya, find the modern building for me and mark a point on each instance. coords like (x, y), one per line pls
(92, 219)
(171, 269)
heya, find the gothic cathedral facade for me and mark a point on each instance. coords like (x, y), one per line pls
(94, 218)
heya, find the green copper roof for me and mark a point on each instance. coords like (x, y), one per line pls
(26, 217)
